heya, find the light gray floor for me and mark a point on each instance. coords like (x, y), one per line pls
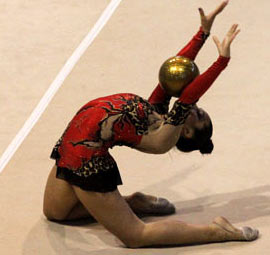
(125, 57)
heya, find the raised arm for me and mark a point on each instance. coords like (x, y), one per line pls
(202, 83)
(159, 98)
(192, 93)
(195, 44)
(169, 132)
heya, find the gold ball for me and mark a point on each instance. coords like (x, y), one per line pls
(176, 73)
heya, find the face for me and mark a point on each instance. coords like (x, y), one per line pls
(197, 119)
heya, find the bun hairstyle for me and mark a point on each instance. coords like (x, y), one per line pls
(201, 141)
(207, 147)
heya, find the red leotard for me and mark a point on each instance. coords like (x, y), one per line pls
(82, 153)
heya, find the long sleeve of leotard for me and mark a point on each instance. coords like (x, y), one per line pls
(202, 83)
(192, 93)
(159, 99)
(194, 45)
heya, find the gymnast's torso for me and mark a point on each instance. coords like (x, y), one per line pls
(119, 119)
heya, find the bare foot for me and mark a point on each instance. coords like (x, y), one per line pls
(230, 233)
(149, 205)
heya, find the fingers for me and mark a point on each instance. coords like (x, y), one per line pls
(233, 31)
(231, 34)
(235, 34)
(216, 11)
(201, 12)
(220, 7)
(224, 46)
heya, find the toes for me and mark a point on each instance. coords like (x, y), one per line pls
(250, 234)
(150, 205)
(163, 206)
(141, 197)
(244, 233)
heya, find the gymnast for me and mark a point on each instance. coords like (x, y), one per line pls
(83, 182)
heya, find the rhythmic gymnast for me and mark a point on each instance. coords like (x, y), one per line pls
(84, 180)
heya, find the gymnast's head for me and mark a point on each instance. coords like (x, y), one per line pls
(196, 133)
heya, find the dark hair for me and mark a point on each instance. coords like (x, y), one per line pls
(201, 141)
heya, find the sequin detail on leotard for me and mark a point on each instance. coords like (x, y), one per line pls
(82, 154)
(178, 113)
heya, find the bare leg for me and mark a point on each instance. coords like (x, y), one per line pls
(59, 198)
(61, 203)
(177, 232)
(141, 204)
(112, 211)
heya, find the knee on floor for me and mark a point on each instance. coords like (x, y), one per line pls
(53, 216)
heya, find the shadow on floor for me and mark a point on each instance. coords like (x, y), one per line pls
(238, 206)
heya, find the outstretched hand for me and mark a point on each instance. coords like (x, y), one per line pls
(224, 46)
(207, 20)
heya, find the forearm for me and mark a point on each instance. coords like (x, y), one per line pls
(160, 100)
(193, 92)
(195, 44)
(159, 97)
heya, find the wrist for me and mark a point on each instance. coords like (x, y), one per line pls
(205, 30)
(204, 34)
(225, 54)
(223, 60)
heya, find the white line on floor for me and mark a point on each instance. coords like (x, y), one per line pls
(56, 84)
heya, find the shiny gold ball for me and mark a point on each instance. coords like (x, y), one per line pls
(176, 73)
